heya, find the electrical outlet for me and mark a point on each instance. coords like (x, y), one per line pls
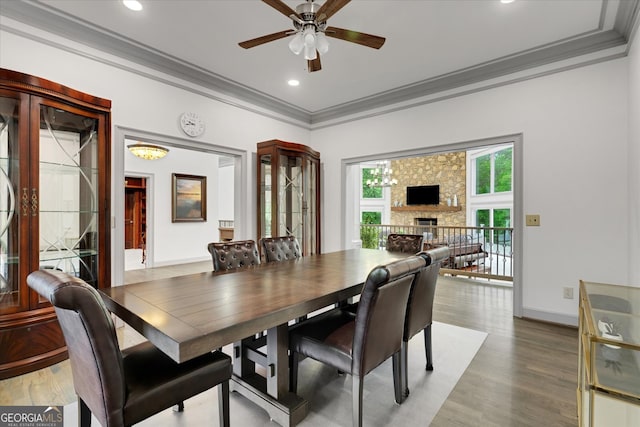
(533, 220)
(567, 293)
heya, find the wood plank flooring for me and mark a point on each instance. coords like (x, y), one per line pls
(524, 374)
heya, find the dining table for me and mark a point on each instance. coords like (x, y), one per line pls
(190, 315)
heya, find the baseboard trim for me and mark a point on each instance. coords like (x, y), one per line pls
(547, 316)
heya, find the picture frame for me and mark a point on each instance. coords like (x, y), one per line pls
(189, 198)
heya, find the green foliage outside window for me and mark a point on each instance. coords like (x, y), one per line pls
(372, 217)
(482, 218)
(483, 174)
(369, 235)
(369, 192)
(503, 167)
(501, 217)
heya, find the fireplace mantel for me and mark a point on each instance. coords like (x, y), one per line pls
(426, 208)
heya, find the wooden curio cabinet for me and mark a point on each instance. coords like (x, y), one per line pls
(54, 208)
(289, 193)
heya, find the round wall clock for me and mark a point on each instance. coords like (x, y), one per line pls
(192, 124)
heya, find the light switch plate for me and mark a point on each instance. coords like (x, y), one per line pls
(533, 220)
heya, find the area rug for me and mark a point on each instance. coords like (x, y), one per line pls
(329, 394)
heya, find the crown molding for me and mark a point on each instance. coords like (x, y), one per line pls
(48, 19)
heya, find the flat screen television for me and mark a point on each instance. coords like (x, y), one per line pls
(423, 195)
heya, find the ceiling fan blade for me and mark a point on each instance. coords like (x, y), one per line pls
(363, 39)
(281, 7)
(330, 7)
(265, 39)
(314, 64)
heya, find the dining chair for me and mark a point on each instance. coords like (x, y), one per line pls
(121, 388)
(281, 248)
(234, 254)
(409, 243)
(419, 313)
(358, 343)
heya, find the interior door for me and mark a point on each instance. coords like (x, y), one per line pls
(135, 226)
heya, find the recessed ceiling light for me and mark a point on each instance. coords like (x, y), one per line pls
(133, 5)
(507, 1)
(293, 82)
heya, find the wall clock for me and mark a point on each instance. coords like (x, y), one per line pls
(192, 124)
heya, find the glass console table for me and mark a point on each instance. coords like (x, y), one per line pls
(609, 355)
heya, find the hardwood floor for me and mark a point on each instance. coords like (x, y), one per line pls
(523, 375)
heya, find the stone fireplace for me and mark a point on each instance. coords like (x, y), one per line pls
(426, 221)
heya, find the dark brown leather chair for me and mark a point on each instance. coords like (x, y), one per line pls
(419, 314)
(232, 255)
(356, 344)
(281, 248)
(122, 388)
(409, 243)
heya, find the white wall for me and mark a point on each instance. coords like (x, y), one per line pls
(225, 195)
(574, 130)
(634, 161)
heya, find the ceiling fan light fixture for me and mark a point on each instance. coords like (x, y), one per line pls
(310, 52)
(322, 44)
(309, 35)
(297, 44)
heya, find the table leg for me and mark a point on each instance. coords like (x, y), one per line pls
(271, 393)
(278, 361)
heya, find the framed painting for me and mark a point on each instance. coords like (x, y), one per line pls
(189, 198)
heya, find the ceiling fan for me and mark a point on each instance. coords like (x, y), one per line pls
(311, 30)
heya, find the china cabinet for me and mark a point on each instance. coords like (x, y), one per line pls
(54, 208)
(289, 193)
(609, 355)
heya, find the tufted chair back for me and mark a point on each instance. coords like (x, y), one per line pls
(232, 255)
(282, 248)
(409, 243)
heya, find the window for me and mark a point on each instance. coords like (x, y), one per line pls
(371, 218)
(483, 174)
(495, 217)
(502, 170)
(369, 192)
(490, 198)
(492, 172)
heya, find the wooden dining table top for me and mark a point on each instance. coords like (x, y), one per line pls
(190, 315)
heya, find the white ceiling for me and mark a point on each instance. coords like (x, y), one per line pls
(431, 45)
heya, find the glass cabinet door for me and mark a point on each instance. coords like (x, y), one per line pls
(310, 208)
(288, 193)
(68, 191)
(290, 185)
(15, 202)
(265, 196)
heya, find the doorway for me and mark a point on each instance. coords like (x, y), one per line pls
(352, 176)
(135, 222)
